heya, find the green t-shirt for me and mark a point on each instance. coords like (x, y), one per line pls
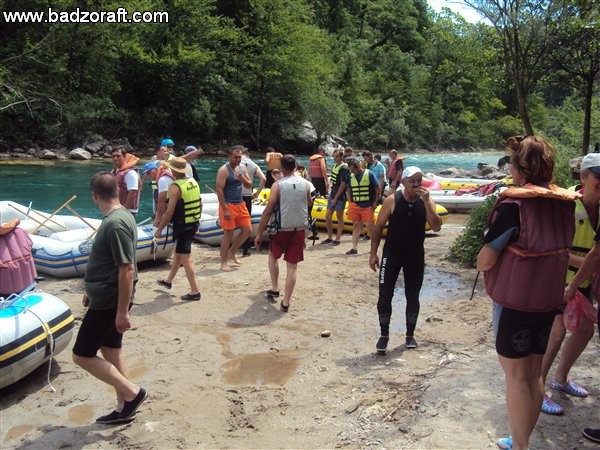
(115, 244)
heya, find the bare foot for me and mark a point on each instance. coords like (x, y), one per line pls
(233, 259)
(226, 268)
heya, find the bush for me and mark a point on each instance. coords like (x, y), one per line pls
(465, 247)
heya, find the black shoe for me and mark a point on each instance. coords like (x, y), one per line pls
(164, 283)
(352, 251)
(284, 308)
(113, 417)
(335, 243)
(273, 294)
(592, 434)
(382, 344)
(132, 406)
(327, 241)
(410, 342)
(246, 253)
(191, 297)
(366, 237)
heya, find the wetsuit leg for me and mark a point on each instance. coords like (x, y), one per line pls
(413, 280)
(248, 243)
(388, 275)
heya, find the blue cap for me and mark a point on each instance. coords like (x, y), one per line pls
(151, 165)
(190, 148)
(166, 142)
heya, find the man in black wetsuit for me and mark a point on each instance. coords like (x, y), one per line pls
(407, 210)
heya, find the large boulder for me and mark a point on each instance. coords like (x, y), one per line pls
(47, 154)
(80, 154)
(94, 144)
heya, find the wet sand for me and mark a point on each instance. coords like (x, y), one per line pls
(233, 371)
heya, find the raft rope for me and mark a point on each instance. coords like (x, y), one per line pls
(10, 302)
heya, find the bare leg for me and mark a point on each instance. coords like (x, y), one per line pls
(237, 242)
(108, 373)
(329, 223)
(524, 394)
(557, 335)
(340, 224)
(175, 265)
(574, 346)
(190, 273)
(225, 244)
(357, 227)
(115, 357)
(370, 228)
(290, 283)
(274, 272)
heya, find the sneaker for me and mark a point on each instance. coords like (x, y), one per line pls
(382, 344)
(570, 388)
(165, 284)
(327, 241)
(335, 242)
(352, 251)
(366, 237)
(410, 342)
(129, 408)
(113, 417)
(549, 406)
(505, 443)
(191, 297)
(592, 434)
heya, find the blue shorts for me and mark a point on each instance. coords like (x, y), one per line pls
(339, 205)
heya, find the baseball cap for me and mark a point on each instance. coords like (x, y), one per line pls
(591, 162)
(151, 165)
(410, 171)
(189, 149)
(167, 142)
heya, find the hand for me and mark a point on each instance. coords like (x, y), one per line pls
(423, 193)
(157, 233)
(199, 151)
(226, 213)
(569, 293)
(85, 301)
(374, 262)
(122, 322)
(257, 241)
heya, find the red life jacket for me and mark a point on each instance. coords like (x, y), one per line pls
(530, 272)
(314, 166)
(123, 187)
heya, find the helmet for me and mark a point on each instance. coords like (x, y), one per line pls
(166, 142)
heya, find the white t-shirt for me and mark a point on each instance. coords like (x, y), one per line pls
(163, 183)
(132, 180)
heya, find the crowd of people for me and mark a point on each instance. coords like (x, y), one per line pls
(540, 238)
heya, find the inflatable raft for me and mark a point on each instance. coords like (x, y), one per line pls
(33, 327)
(61, 247)
(459, 183)
(210, 231)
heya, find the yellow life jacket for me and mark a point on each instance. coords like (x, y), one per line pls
(189, 209)
(361, 192)
(335, 170)
(583, 241)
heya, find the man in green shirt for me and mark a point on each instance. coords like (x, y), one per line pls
(110, 279)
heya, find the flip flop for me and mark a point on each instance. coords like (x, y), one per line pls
(551, 407)
(570, 388)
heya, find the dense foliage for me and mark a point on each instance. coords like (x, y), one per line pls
(381, 73)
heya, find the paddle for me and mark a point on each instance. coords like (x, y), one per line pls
(210, 189)
(37, 221)
(12, 298)
(54, 213)
(77, 214)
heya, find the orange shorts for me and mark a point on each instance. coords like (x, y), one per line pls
(355, 212)
(239, 216)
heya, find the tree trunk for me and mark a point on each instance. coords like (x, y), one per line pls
(587, 108)
(523, 111)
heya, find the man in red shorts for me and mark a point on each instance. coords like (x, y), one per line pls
(232, 209)
(363, 192)
(287, 217)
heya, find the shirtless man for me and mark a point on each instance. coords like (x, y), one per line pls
(232, 209)
(273, 161)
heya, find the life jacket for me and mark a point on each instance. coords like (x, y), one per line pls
(530, 272)
(314, 166)
(291, 213)
(583, 241)
(363, 191)
(17, 268)
(189, 205)
(335, 170)
(122, 185)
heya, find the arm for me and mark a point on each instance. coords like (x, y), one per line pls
(324, 173)
(264, 218)
(125, 283)
(174, 195)
(262, 180)
(243, 176)
(384, 214)
(434, 221)
(189, 157)
(340, 192)
(590, 264)
(219, 187)
(132, 180)
(161, 207)
(487, 257)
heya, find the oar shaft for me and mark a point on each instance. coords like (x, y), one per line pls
(54, 213)
(29, 216)
(83, 219)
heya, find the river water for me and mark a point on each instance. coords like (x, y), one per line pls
(49, 184)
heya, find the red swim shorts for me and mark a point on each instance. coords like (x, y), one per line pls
(290, 244)
(355, 212)
(239, 216)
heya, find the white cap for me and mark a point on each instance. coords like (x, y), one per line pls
(410, 171)
(591, 162)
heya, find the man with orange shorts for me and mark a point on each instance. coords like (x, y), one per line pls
(232, 209)
(363, 192)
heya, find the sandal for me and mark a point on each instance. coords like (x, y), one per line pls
(271, 293)
(549, 406)
(284, 308)
(570, 388)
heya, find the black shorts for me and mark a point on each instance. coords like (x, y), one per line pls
(520, 334)
(97, 330)
(184, 239)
